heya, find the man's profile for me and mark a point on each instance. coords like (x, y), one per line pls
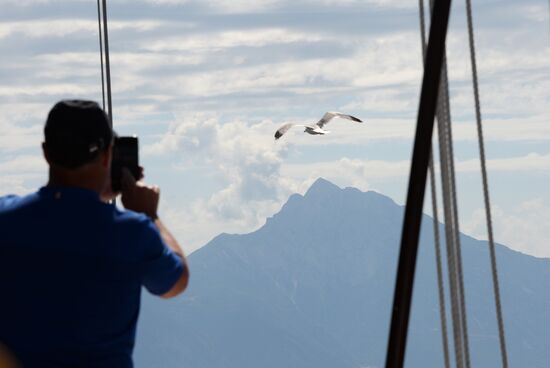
(72, 265)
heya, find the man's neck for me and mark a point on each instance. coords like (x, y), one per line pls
(75, 178)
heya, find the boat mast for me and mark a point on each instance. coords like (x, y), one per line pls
(417, 185)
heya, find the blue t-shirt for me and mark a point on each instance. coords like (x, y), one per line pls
(71, 271)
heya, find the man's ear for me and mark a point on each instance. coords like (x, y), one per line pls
(45, 152)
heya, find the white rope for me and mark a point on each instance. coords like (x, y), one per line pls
(486, 188)
(440, 283)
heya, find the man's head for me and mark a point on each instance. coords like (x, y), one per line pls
(77, 143)
(76, 132)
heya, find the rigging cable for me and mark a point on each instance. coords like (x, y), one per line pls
(454, 206)
(437, 245)
(486, 187)
(107, 64)
(449, 221)
(455, 226)
(107, 68)
(101, 54)
(454, 258)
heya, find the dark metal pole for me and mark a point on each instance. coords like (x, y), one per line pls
(107, 63)
(417, 185)
(101, 53)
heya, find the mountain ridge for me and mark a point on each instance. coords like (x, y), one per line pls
(313, 287)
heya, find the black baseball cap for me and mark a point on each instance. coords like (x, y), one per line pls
(75, 132)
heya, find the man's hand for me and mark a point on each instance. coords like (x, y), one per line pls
(139, 197)
(108, 195)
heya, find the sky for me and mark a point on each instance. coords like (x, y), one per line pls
(205, 84)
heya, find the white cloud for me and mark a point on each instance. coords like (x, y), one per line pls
(379, 3)
(21, 125)
(532, 162)
(18, 184)
(346, 171)
(23, 3)
(124, 60)
(532, 129)
(537, 12)
(246, 157)
(229, 39)
(525, 228)
(63, 27)
(168, 2)
(370, 66)
(22, 174)
(258, 180)
(235, 6)
(47, 90)
(346, 167)
(23, 164)
(241, 6)
(194, 134)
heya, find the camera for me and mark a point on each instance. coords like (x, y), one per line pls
(125, 154)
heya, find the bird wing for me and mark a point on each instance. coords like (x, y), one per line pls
(284, 128)
(331, 114)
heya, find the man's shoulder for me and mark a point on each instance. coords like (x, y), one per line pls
(12, 201)
(8, 201)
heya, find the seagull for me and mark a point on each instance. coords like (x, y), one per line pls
(315, 129)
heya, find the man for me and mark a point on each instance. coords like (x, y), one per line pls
(71, 264)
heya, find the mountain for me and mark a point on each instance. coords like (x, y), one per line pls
(313, 287)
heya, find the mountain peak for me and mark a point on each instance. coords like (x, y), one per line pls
(321, 271)
(321, 186)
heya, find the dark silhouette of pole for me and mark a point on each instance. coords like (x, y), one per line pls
(101, 53)
(107, 63)
(417, 185)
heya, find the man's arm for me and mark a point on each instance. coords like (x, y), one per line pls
(181, 284)
(139, 197)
